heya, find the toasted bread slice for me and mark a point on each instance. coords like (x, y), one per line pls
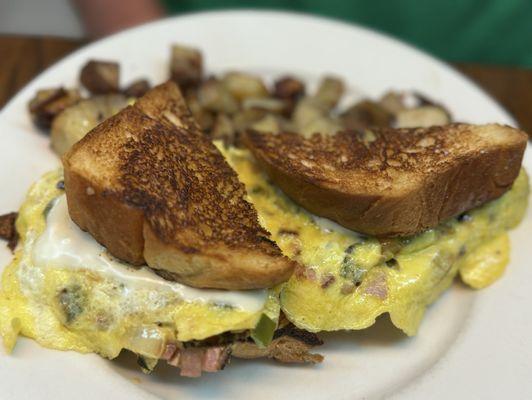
(166, 104)
(393, 182)
(151, 190)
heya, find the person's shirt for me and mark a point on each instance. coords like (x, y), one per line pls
(484, 31)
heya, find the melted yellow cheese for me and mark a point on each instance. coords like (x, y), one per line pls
(347, 281)
(87, 310)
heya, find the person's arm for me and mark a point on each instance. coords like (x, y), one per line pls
(103, 17)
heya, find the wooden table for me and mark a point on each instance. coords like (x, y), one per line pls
(23, 57)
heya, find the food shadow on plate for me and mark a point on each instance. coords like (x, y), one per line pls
(381, 333)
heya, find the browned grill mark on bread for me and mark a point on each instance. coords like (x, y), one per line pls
(151, 188)
(165, 104)
(188, 188)
(393, 182)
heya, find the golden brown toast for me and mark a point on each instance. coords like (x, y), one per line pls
(393, 182)
(166, 104)
(151, 188)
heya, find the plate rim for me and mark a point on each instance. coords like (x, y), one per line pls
(245, 12)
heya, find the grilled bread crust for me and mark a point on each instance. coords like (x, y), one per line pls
(393, 182)
(166, 104)
(150, 187)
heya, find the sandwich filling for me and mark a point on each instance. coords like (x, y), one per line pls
(347, 280)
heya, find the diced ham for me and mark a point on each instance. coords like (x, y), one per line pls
(290, 344)
(215, 358)
(169, 350)
(191, 361)
(174, 360)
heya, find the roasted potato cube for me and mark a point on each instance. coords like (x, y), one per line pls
(137, 88)
(413, 109)
(325, 126)
(203, 117)
(268, 123)
(75, 121)
(288, 88)
(244, 119)
(365, 114)
(414, 99)
(223, 129)
(268, 104)
(48, 103)
(422, 117)
(330, 91)
(425, 101)
(307, 110)
(101, 77)
(186, 66)
(393, 102)
(214, 96)
(243, 86)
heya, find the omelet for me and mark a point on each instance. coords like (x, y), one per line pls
(65, 291)
(347, 280)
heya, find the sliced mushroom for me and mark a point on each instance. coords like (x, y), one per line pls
(289, 344)
(186, 66)
(330, 91)
(48, 103)
(101, 77)
(75, 121)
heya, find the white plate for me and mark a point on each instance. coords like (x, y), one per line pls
(470, 345)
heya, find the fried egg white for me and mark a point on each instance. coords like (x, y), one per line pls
(347, 280)
(63, 290)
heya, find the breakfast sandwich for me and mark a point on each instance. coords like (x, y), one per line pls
(157, 239)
